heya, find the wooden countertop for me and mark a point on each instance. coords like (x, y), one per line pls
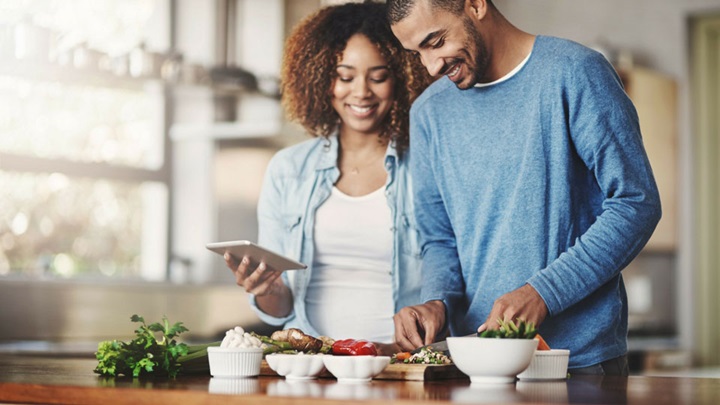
(53, 380)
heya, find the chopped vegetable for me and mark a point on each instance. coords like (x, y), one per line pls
(425, 356)
(511, 330)
(352, 347)
(542, 344)
(402, 356)
(327, 344)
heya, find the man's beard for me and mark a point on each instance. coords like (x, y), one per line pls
(476, 44)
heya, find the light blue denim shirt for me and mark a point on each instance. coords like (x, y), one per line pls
(297, 181)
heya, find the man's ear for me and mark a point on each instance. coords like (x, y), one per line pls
(477, 9)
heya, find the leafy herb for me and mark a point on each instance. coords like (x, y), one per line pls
(511, 330)
(153, 351)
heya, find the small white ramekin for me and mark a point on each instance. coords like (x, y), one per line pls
(234, 362)
(355, 369)
(547, 365)
(296, 366)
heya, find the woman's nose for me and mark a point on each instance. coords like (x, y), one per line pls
(360, 87)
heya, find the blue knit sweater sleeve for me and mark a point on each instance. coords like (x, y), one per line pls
(441, 272)
(605, 130)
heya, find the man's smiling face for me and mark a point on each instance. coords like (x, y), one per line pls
(447, 44)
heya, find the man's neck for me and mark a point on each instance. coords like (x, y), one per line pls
(508, 47)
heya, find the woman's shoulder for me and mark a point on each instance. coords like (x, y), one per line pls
(296, 157)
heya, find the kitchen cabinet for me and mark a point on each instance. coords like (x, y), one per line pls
(655, 98)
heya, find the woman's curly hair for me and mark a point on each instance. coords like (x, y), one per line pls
(312, 52)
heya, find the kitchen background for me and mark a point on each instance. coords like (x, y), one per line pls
(132, 132)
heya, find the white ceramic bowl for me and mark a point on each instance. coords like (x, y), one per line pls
(491, 360)
(355, 368)
(547, 365)
(234, 362)
(296, 366)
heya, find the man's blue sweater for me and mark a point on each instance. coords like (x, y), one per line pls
(539, 179)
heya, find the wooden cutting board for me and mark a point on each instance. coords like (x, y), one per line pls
(398, 371)
(420, 372)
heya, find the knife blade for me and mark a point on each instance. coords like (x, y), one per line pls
(440, 346)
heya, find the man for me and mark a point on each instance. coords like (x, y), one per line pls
(532, 187)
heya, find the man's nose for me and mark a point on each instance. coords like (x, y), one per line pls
(433, 65)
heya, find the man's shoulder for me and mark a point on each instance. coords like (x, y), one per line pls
(566, 53)
(561, 46)
(439, 88)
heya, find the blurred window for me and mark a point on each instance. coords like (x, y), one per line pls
(82, 168)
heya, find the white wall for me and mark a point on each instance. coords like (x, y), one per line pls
(656, 32)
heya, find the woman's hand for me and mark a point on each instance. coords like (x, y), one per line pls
(257, 280)
(272, 296)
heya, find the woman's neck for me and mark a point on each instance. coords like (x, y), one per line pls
(361, 145)
(361, 163)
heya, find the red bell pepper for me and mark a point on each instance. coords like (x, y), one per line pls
(352, 347)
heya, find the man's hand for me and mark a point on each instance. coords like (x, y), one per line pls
(387, 349)
(524, 303)
(418, 325)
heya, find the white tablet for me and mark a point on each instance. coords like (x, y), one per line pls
(241, 248)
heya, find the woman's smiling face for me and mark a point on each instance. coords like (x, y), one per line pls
(362, 92)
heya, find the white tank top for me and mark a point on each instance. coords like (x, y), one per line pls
(350, 292)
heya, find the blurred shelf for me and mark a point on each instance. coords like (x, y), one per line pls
(647, 343)
(47, 72)
(225, 130)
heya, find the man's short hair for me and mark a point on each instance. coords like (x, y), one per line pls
(397, 10)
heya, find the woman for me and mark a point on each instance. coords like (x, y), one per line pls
(341, 202)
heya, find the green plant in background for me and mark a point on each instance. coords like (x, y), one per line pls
(511, 330)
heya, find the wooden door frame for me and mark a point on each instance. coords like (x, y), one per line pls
(705, 77)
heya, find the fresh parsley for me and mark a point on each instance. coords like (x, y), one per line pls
(153, 351)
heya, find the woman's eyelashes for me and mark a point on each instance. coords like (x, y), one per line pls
(379, 79)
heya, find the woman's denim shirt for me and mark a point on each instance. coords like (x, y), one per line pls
(297, 181)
